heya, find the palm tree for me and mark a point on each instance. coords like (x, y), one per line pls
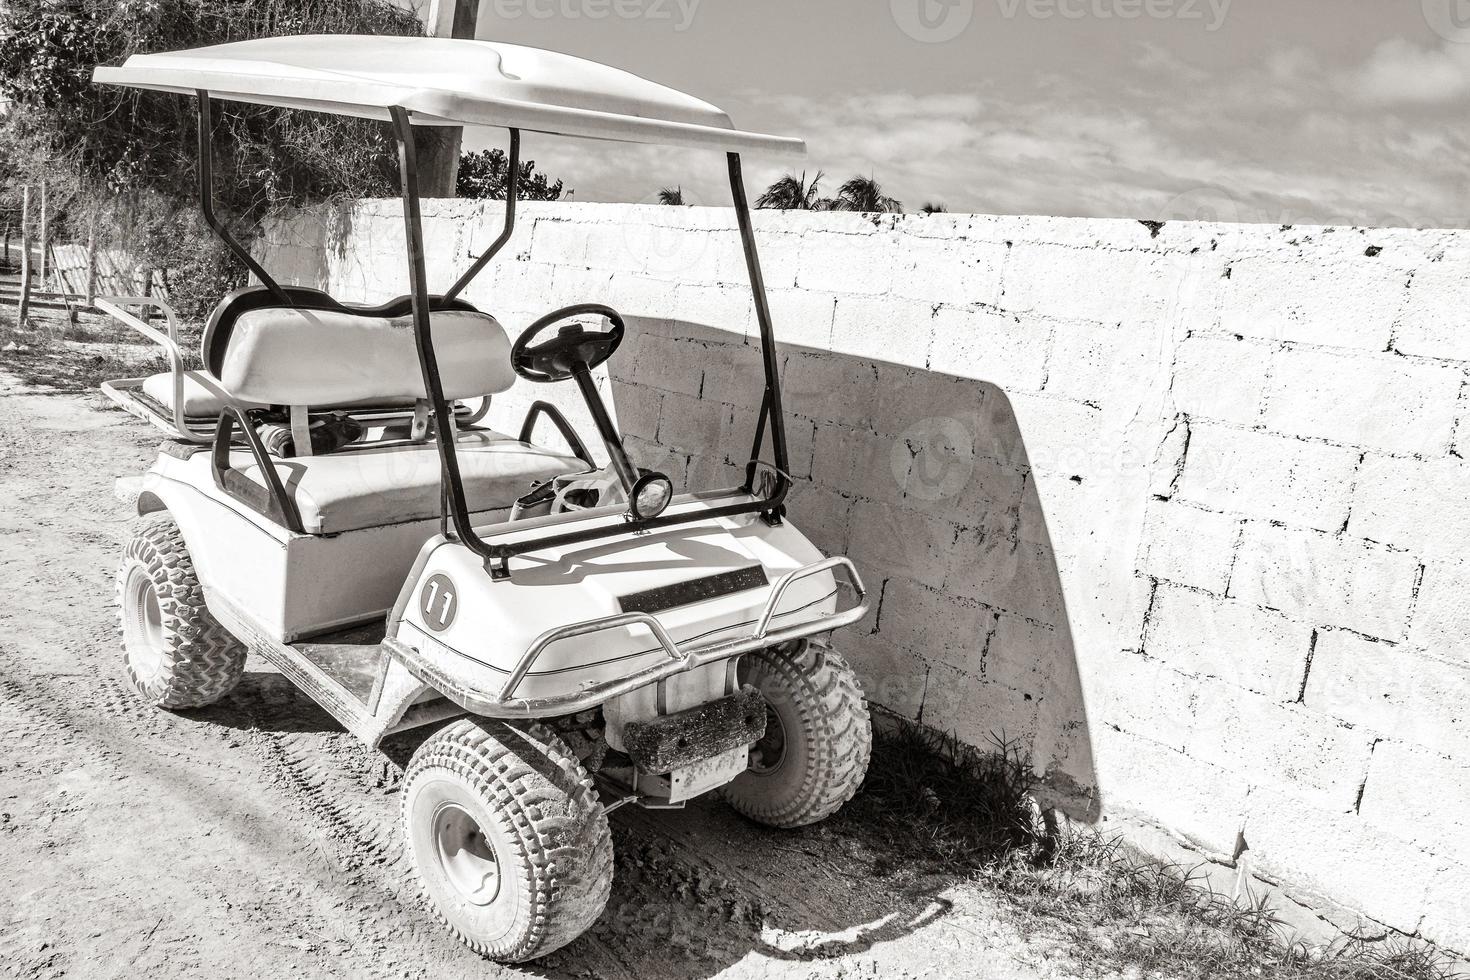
(934, 207)
(864, 194)
(792, 193)
(672, 196)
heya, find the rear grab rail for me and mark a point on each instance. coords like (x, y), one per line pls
(113, 306)
(681, 658)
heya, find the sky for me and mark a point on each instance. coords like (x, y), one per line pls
(1279, 111)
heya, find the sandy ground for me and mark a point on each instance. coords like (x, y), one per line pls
(256, 838)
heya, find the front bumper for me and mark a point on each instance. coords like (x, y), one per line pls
(680, 658)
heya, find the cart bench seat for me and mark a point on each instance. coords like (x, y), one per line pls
(199, 401)
(377, 486)
(202, 403)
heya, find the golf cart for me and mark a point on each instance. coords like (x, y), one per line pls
(583, 635)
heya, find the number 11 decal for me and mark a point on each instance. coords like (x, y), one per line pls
(438, 602)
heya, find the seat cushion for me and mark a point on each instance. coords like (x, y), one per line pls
(199, 401)
(330, 358)
(368, 487)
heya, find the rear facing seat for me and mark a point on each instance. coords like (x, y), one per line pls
(199, 401)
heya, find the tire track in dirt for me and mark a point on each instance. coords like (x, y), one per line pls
(354, 897)
(353, 793)
(51, 743)
(59, 739)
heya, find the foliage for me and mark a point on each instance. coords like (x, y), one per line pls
(74, 357)
(121, 164)
(140, 140)
(199, 270)
(672, 197)
(792, 193)
(933, 805)
(483, 174)
(864, 194)
(933, 207)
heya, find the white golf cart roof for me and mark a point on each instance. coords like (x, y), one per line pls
(445, 82)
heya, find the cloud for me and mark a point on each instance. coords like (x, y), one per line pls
(1399, 72)
(1285, 140)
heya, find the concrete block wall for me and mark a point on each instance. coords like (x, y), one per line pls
(1185, 512)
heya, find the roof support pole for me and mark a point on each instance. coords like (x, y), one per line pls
(206, 201)
(512, 189)
(455, 518)
(771, 412)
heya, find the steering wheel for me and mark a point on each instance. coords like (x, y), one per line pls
(573, 348)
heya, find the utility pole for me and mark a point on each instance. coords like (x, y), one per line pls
(92, 259)
(438, 146)
(25, 253)
(45, 237)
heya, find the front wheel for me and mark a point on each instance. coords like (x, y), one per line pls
(818, 737)
(508, 836)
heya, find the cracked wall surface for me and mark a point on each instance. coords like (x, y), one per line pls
(1183, 509)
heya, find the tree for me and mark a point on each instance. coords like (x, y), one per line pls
(864, 194)
(124, 161)
(672, 196)
(933, 207)
(439, 148)
(793, 193)
(483, 173)
(136, 141)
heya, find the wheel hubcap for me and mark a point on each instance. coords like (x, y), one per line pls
(767, 755)
(465, 855)
(145, 645)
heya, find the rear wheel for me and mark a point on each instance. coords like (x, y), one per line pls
(818, 737)
(176, 653)
(509, 837)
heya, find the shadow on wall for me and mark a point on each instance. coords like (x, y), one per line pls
(923, 480)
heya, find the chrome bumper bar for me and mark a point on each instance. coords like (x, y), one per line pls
(680, 658)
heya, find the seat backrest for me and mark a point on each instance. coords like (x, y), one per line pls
(342, 356)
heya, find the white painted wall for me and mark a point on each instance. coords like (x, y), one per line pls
(1187, 514)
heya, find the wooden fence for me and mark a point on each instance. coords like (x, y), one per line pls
(73, 276)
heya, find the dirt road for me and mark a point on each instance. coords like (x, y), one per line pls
(256, 838)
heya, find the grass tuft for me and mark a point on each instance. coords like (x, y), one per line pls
(73, 357)
(931, 803)
(946, 804)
